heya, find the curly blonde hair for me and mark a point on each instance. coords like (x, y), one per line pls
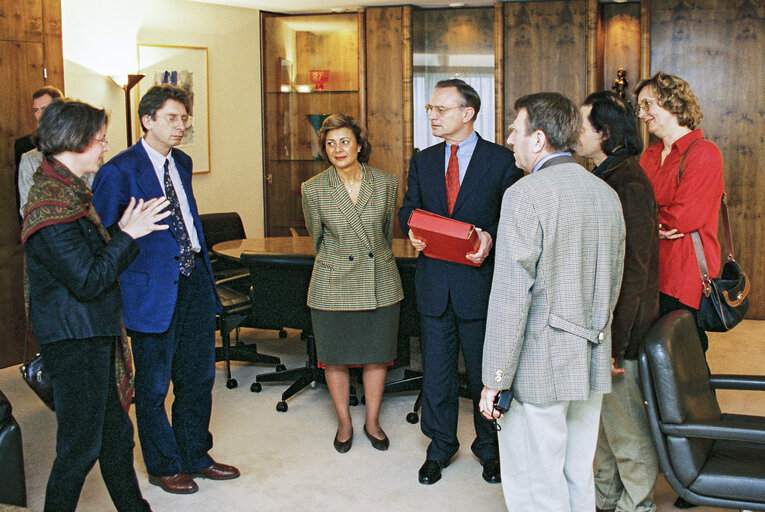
(676, 96)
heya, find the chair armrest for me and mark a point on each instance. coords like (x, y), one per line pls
(740, 382)
(740, 429)
(229, 279)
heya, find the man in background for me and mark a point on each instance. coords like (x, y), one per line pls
(558, 269)
(24, 148)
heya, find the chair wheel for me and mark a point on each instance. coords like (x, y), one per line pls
(280, 368)
(281, 406)
(354, 401)
(282, 334)
(412, 418)
(231, 383)
(256, 387)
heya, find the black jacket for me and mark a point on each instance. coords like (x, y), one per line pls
(638, 306)
(73, 273)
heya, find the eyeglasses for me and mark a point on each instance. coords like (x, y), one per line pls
(644, 105)
(173, 119)
(104, 141)
(439, 110)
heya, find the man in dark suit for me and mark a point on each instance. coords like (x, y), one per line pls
(462, 178)
(41, 98)
(169, 298)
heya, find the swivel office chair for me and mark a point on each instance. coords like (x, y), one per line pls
(232, 282)
(708, 457)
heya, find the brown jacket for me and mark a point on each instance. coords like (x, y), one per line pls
(638, 305)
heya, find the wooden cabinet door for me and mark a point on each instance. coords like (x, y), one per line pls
(21, 74)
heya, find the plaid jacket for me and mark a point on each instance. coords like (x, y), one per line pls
(557, 274)
(355, 268)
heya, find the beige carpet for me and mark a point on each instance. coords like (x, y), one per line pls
(287, 460)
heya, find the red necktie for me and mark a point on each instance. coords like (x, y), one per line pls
(452, 179)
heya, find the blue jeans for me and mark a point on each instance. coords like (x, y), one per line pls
(91, 425)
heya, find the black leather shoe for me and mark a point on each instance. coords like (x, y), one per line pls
(344, 446)
(430, 472)
(378, 444)
(682, 504)
(491, 472)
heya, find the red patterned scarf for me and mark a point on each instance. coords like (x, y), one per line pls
(57, 197)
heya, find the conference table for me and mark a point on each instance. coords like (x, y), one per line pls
(301, 246)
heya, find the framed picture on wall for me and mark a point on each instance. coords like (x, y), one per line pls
(185, 67)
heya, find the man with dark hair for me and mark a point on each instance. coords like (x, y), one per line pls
(462, 178)
(625, 459)
(559, 258)
(26, 157)
(169, 298)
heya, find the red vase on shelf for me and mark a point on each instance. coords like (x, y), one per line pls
(319, 77)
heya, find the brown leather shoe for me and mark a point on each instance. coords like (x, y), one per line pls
(179, 483)
(217, 471)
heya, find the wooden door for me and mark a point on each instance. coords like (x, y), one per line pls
(21, 74)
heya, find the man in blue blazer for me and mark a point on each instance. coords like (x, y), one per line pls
(463, 178)
(169, 298)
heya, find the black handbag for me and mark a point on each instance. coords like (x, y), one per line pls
(724, 302)
(35, 376)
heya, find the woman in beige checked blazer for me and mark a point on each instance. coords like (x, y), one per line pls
(355, 287)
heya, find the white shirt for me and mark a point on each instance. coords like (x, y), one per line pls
(158, 162)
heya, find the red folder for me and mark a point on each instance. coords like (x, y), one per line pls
(446, 239)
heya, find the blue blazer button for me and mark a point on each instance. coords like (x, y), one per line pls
(350, 258)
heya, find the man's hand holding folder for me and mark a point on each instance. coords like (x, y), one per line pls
(448, 239)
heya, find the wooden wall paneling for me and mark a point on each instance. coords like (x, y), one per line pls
(718, 47)
(407, 111)
(385, 91)
(22, 20)
(545, 50)
(20, 74)
(361, 30)
(499, 74)
(53, 53)
(594, 46)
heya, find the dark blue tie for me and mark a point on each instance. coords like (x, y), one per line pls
(179, 227)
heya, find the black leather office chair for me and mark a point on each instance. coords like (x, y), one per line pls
(232, 281)
(12, 483)
(278, 291)
(708, 457)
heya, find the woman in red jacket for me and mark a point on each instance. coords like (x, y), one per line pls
(688, 201)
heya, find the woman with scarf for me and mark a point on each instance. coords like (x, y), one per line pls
(75, 306)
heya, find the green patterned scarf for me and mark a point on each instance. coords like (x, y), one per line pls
(57, 197)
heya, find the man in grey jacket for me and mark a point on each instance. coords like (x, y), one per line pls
(558, 270)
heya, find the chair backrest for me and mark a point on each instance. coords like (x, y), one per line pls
(220, 227)
(279, 289)
(675, 381)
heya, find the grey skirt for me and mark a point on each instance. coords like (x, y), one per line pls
(356, 337)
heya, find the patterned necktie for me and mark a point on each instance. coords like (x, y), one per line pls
(452, 179)
(179, 227)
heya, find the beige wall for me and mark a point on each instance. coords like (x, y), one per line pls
(100, 38)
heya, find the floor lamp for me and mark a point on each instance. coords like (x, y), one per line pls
(127, 82)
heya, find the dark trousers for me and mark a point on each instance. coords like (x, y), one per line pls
(668, 304)
(91, 425)
(185, 354)
(441, 338)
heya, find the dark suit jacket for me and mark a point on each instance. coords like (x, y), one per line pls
(21, 146)
(638, 305)
(491, 171)
(74, 292)
(150, 284)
